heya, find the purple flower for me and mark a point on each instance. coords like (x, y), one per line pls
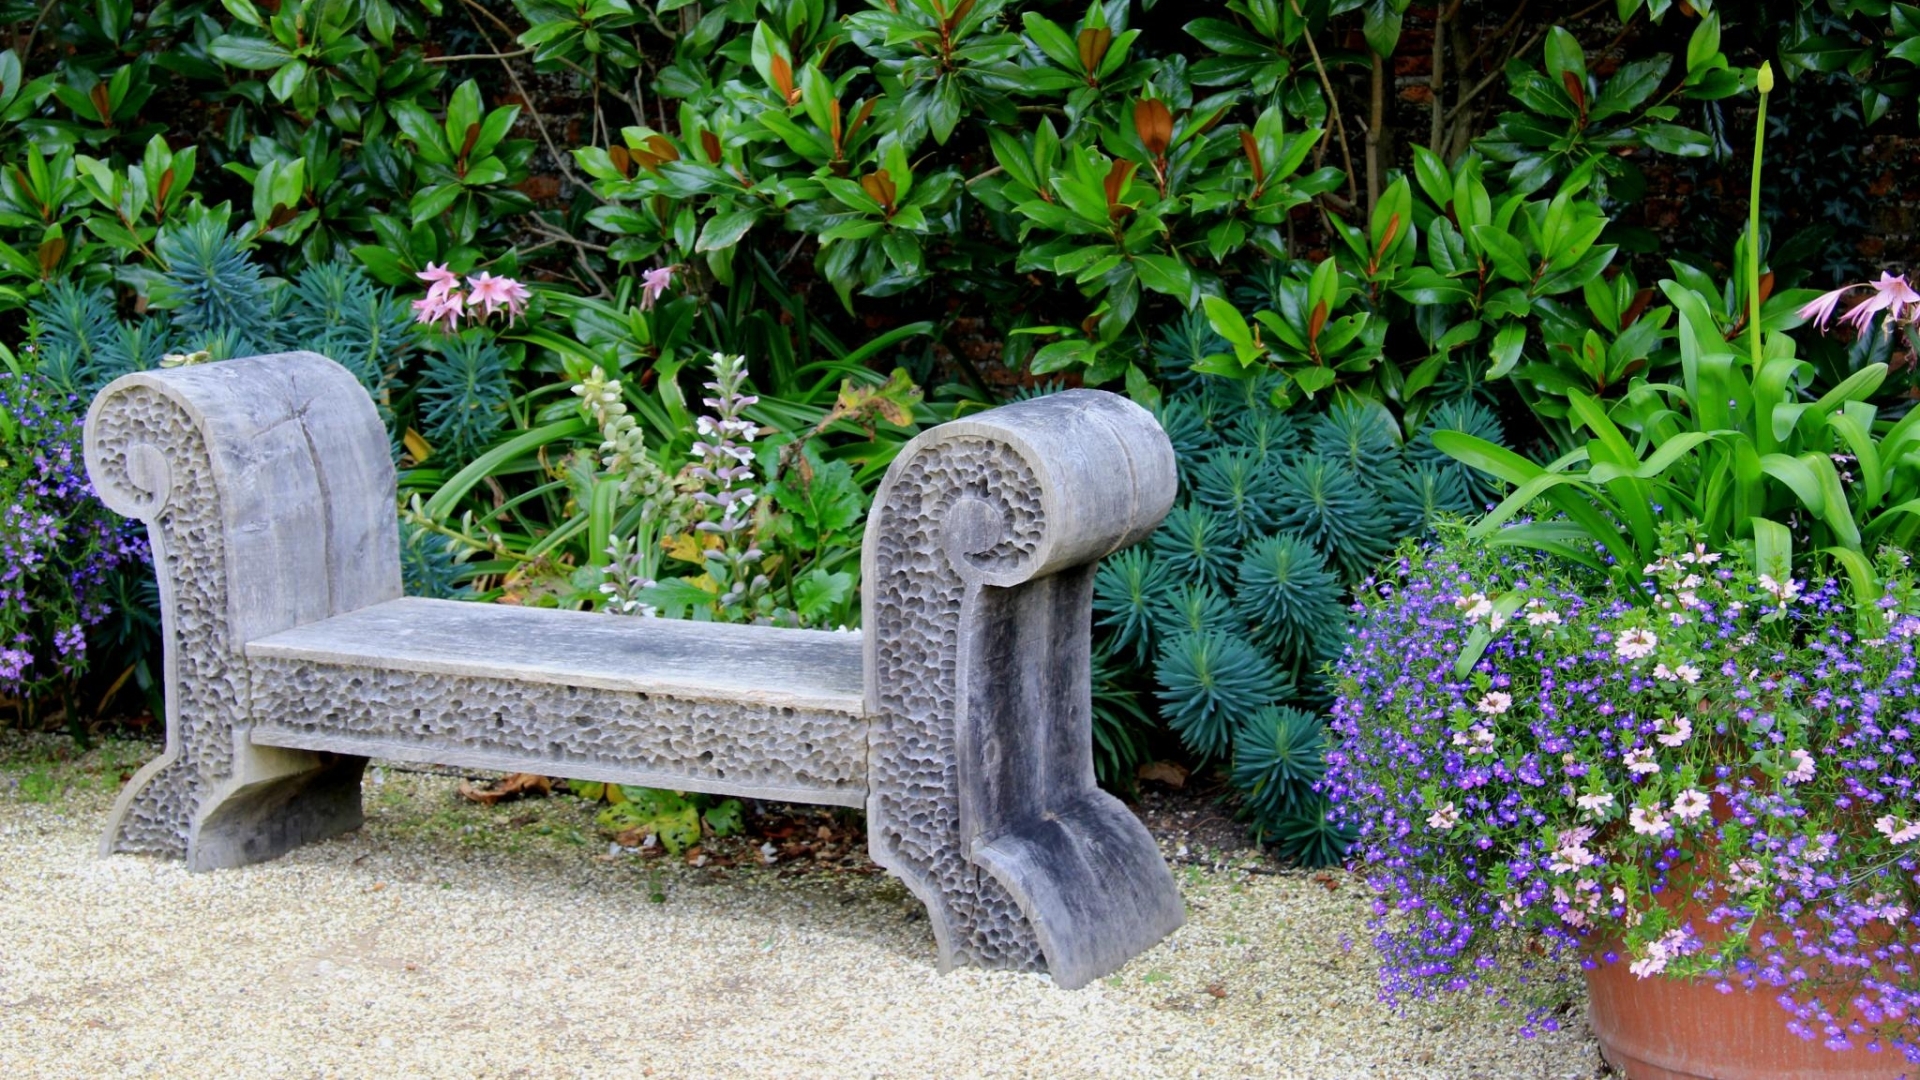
(1583, 820)
(59, 548)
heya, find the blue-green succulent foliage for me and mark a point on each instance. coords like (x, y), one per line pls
(1239, 599)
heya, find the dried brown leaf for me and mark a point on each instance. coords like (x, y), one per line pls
(1172, 774)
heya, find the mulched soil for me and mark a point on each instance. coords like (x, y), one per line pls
(1192, 824)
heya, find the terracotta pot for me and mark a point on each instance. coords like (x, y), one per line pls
(1683, 1029)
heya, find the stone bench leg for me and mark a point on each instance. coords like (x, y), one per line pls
(268, 493)
(978, 589)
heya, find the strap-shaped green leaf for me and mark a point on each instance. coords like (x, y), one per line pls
(1794, 473)
(1772, 549)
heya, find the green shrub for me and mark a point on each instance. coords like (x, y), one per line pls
(1239, 600)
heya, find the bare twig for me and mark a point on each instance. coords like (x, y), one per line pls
(524, 251)
(539, 228)
(600, 130)
(1436, 82)
(1376, 119)
(477, 56)
(1333, 105)
(563, 161)
(788, 257)
(491, 17)
(26, 50)
(1531, 41)
(1501, 71)
(539, 122)
(1503, 34)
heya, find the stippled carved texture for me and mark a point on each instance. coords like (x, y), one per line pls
(738, 747)
(209, 684)
(916, 609)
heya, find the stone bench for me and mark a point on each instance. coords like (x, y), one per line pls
(960, 718)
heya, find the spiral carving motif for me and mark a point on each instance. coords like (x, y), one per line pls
(959, 511)
(149, 459)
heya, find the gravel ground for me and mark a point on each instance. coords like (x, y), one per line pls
(452, 940)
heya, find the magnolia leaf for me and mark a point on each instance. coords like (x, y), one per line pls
(1508, 343)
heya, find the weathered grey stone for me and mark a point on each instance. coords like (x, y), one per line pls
(268, 494)
(738, 710)
(978, 617)
(962, 719)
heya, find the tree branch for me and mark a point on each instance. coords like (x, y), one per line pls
(26, 50)
(1503, 34)
(1376, 118)
(1436, 82)
(476, 56)
(1333, 106)
(1527, 47)
(539, 228)
(564, 161)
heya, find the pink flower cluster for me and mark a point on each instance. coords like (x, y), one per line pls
(484, 295)
(1891, 294)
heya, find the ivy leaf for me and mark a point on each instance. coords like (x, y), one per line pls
(1422, 285)
(1164, 274)
(674, 596)
(1508, 256)
(245, 12)
(380, 21)
(943, 112)
(1629, 87)
(287, 80)
(1674, 139)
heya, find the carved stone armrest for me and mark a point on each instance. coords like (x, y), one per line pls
(978, 582)
(267, 488)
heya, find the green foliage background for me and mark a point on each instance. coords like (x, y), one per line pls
(1309, 233)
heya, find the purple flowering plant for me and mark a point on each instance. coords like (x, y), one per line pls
(59, 547)
(1713, 777)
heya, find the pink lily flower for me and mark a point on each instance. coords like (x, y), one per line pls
(439, 279)
(1891, 294)
(445, 305)
(653, 283)
(497, 292)
(1819, 311)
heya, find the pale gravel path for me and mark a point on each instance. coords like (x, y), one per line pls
(402, 952)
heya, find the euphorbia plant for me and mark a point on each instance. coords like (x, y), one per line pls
(1697, 769)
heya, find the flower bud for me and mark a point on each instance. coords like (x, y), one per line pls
(1766, 77)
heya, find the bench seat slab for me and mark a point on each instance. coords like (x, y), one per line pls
(736, 710)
